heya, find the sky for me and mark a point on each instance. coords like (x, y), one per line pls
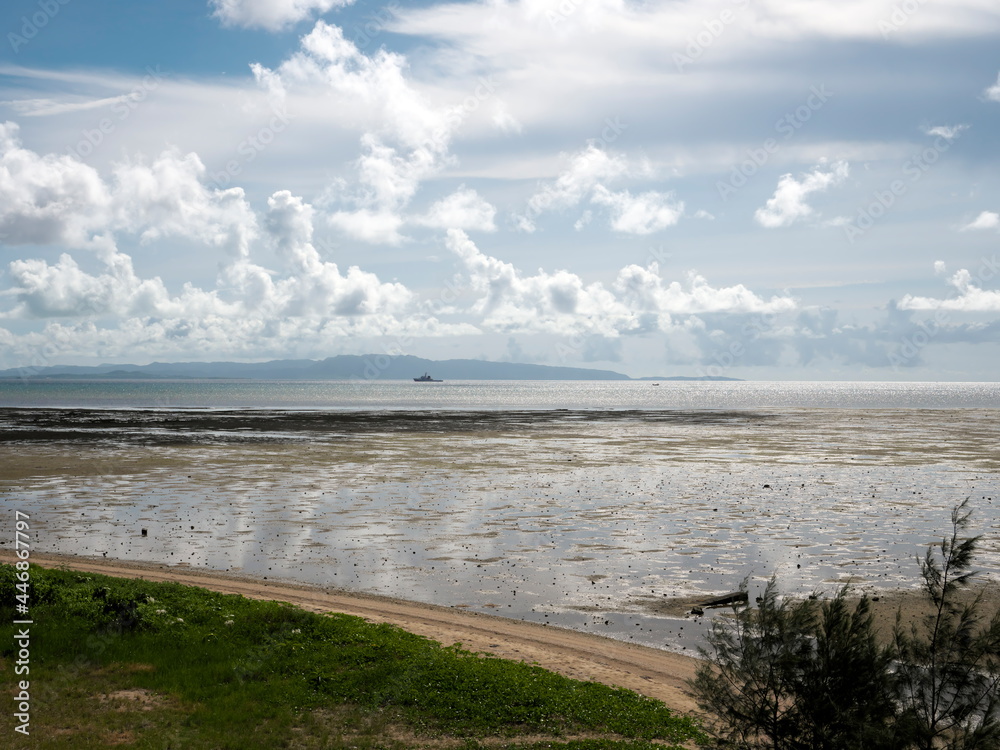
(760, 189)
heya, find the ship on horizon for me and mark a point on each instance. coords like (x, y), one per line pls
(425, 378)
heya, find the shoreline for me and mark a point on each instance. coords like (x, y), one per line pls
(610, 529)
(649, 671)
(582, 656)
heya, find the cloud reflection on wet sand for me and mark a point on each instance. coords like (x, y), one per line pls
(606, 522)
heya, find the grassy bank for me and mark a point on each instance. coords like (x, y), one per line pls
(152, 665)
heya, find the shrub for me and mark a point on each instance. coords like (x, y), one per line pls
(949, 666)
(787, 676)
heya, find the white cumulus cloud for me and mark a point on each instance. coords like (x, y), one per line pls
(48, 199)
(57, 199)
(315, 286)
(948, 132)
(53, 198)
(405, 135)
(993, 92)
(272, 15)
(645, 290)
(971, 298)
(640, 299)
(463, 209)
(985, 220)
(788, 205)
(377, 227)
(556, 302)
(586, 177)
(587, 169)
(640, 214)
(168, 198)
(64, 290)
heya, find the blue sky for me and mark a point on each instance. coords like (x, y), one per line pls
(753, 188)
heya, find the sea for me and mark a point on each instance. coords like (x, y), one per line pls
(495, 395)
(603, 506)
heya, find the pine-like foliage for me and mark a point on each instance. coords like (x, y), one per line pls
(846, 686)
(791, 675)
(949, 665)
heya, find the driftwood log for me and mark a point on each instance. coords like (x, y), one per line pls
(736, 597)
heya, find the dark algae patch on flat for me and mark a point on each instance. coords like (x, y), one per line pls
(195, 426)
(129, 663)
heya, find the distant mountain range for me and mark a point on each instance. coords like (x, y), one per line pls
(341, 367)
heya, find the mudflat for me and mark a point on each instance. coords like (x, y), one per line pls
(605, 522)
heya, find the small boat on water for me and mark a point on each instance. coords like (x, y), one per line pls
(425, 378)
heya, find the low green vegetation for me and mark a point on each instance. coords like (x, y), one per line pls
(792, 675)
(126, 663)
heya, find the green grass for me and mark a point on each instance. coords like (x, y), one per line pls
(156, 665)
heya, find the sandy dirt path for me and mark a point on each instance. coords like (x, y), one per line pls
(658, 674)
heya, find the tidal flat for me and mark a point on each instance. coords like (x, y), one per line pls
(610, 522)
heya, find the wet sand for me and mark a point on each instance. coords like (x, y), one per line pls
(599, 521)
